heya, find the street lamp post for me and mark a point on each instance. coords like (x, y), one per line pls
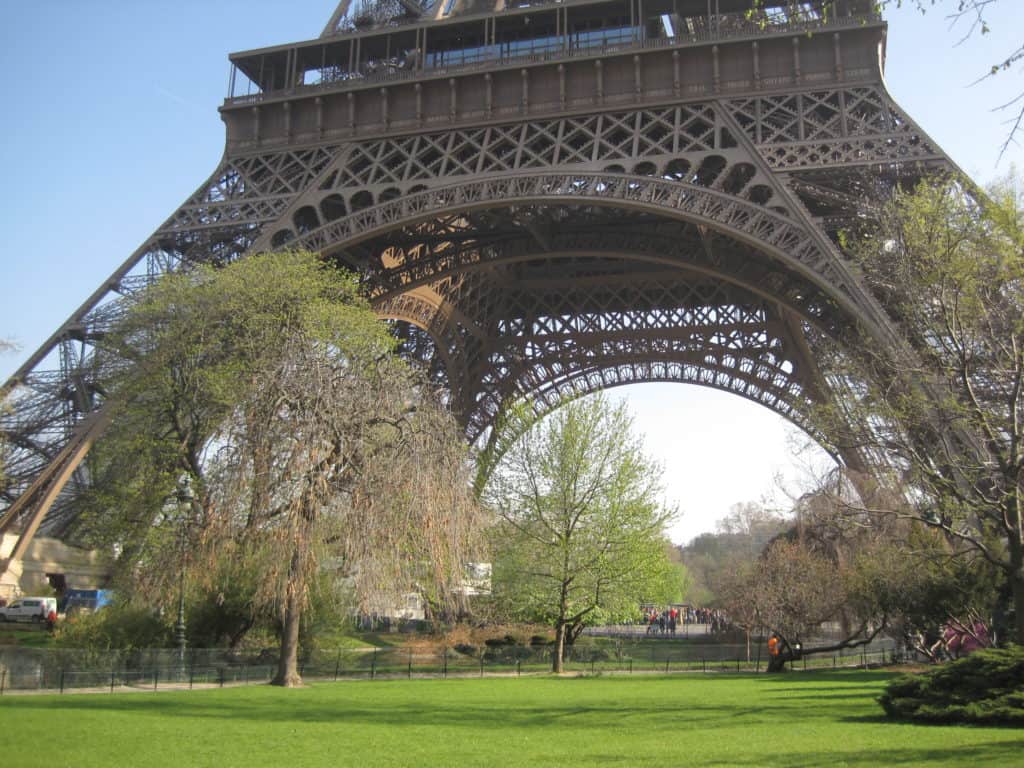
(185, 500)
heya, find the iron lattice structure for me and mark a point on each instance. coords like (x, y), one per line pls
(544, 200)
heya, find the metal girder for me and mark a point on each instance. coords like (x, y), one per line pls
(517, 255)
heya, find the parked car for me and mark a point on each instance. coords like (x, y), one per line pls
(35, 609)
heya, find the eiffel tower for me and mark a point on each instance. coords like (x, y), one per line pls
(544, 199)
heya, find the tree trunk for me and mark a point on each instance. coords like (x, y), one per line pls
(236, 639)
(288, 665)
(1017, 588)
(556, 659)
(561, 625)
(1014, 513)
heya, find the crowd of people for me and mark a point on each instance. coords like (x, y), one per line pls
(667, 620)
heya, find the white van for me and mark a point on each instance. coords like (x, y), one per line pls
(35, 609)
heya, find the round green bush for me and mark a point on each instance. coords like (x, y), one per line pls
(986, 687)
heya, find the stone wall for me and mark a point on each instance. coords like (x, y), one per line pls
(82, 569)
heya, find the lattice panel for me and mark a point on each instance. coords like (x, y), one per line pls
(615, 136)
(775, 233)
(216, 225)
(544, 336)
(253, 189)
(675, 245)
(750, 365)
(891, 149)
(846, 126)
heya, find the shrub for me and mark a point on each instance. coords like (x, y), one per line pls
(499, 642)
(508, 654)
(986, 687)
(116, 627)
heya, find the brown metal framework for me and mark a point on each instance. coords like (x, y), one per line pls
(659, 208)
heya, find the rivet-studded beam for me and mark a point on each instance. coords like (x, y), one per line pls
(691, 232)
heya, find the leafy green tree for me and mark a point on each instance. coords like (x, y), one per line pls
(921, 586)
(678, 581)
(946, 414)
(580, 536)
(270, 386)
(115, 628)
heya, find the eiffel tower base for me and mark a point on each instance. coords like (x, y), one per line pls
(10, 578)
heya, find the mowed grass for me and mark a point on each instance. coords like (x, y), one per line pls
(809, 719)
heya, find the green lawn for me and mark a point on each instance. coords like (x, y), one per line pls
(801, 719)
(25, 636)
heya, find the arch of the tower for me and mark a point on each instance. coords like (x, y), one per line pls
(568, 286)
(444, 209)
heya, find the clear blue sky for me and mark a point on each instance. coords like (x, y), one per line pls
(110, 122)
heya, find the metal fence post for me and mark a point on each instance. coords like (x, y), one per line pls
(220, 674)
(409, 674)
(444, 663)
(481, 665)
(704, 663)
(3, 681)
(337, 666)
(156, 677)
(519, 668)
(191, 674)
(62, 680)
(668, 661)
(373, 665)
(631, 665)
(111, 679)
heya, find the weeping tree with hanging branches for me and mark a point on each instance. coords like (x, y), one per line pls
(310, 448)
(334, 460)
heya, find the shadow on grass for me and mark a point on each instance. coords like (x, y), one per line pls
(674, 704)
(491, 714)
(1007, 753)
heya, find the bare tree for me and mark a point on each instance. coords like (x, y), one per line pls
(970, 16)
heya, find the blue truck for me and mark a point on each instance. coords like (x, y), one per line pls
(85, 600)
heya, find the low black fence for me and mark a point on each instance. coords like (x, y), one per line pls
(27, 670)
